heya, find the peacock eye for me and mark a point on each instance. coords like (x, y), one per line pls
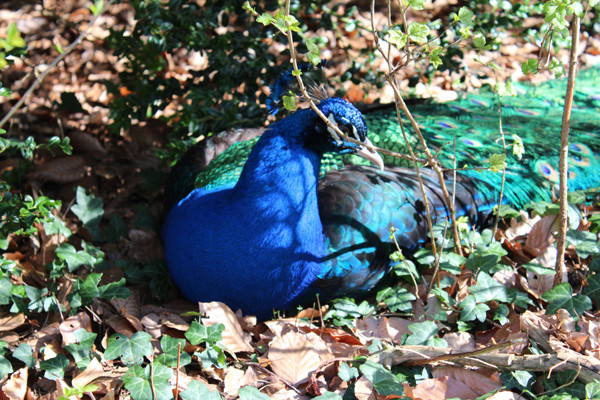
(344, 128)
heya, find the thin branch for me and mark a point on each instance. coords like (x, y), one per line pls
(563, 163)
(58, 59)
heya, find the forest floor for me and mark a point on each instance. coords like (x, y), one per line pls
(109, 167)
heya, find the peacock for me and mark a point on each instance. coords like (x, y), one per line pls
(272, 221)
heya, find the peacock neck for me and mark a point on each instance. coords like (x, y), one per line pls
(282, 164)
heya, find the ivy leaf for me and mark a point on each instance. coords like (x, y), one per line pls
(561, 296)
(75, 259)
(5, 366)
(170, 348)
(488, 289)
(251, 393)
(396, 299)
(593, 288)
(24, 353)
(198, 390)
(198, 333)
(329, 396)
(585, 243)
(149, 383)
(55, 367)
(422, 333)
(131, 350)
(347, 372)
(384, 381)
(89, 209)
(472, 310)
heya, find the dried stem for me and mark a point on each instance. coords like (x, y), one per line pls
(563, 163)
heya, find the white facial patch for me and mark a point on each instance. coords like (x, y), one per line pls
(332, 131)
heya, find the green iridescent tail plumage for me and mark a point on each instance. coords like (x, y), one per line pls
(471, 125)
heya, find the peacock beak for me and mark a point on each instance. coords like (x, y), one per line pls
(370, 155)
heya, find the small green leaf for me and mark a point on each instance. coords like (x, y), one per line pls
(529, 66)
(88, 208)
(418, 32)
(197, 390)
(265, 19)
(55, 367)
(488, 289)
(149, 383)
(396, 299)
(198, 333)
(423, 333)
(289, 102)
(25, 353)
(75, 259)
(384, 382)
(131, 350)
(561, 296)
(347, 373)
(97, 7)
(471, 310)
(592, 289)
(328, 396)
(13, 38)
(417, 4)
(251, 393)
(465, 16)
(497, 162)
(518, 148)
(397, 38)
(171, 351)
(585, 243)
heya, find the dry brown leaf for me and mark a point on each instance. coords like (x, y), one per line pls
(85, 143)
(93, 371)
(449, 382)
(70, 325)
(387, 329)
(506, 395)
(540, 284)
(294, 356)
(541, 235)
(522, 227)
(61, 170)
(15, 387)
(233, 381)
(234, 338)
(363, 389)
(11, 321)
(460, 341)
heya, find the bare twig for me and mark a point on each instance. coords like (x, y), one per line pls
(563, 163)
(273, 374)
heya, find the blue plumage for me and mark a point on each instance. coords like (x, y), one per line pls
(278, 232)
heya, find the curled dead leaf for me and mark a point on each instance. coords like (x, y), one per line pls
(294, 356)
(234, 338)
(15, 388)
(72, 324)
(61, 170)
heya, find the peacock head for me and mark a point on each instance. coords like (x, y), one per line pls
(352, 124)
